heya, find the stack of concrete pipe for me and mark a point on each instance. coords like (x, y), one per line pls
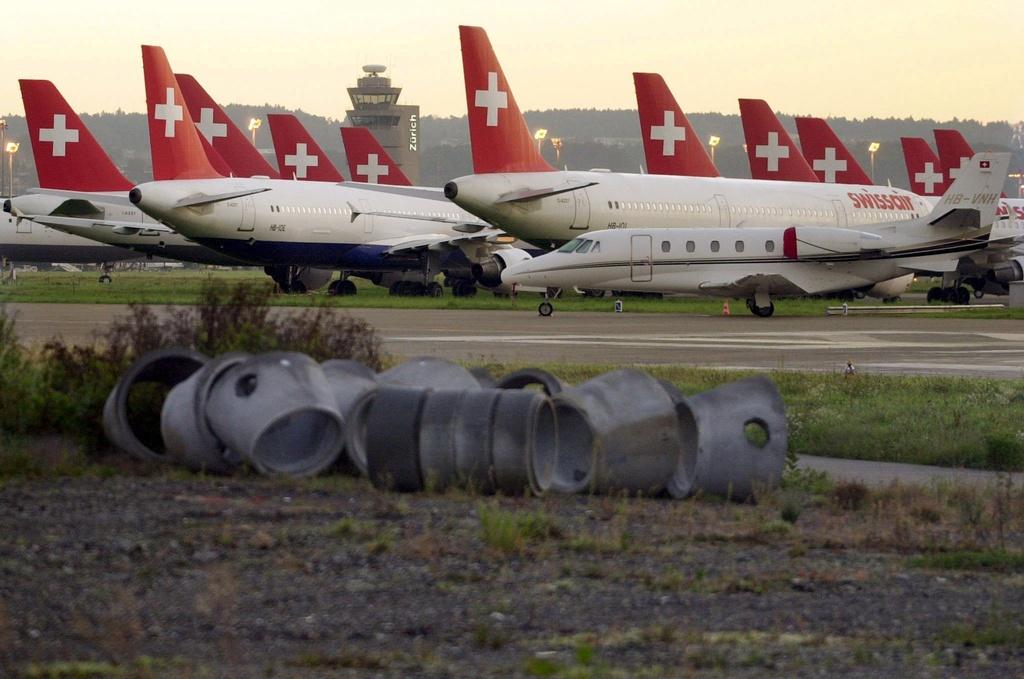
(429, 424)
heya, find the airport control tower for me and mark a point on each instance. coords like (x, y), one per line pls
(375, 105)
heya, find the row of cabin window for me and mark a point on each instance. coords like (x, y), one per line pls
(744, 211)
(345, 211)
(740, 246)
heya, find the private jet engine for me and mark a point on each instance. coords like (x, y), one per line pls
(1010, 271)
(487, 272)
(890, 289)
(298, 279)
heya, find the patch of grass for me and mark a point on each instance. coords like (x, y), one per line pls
(997, 630)
(511, 531)
(350, 659)
(542, 667)
(82, 669)
(997, 560)
(850, 495)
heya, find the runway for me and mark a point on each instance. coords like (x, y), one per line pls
(879, 344)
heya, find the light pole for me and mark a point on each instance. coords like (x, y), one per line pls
(3, 144)
(713, 141)
(873, 149)
(556, 143)
(254, 124)
(540, 135)
(11, 147)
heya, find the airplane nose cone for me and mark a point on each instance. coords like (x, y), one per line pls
(451, 190)
(135, 196)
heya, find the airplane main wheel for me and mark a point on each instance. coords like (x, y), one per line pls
(934, 294)
(979, 293)
(105, 279)
(463, 288)
(545, 309)
(751, 305)
(434, 289)
(346, 287)
(963, 295)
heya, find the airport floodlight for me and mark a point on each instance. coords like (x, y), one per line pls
(540, 134)
(713, 141)
(254, 124)
(873, 149)
(12, 147)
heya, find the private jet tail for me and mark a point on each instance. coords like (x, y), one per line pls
(670, 144)
(498, 134)
(924, 171)
(368, 161)
(973, 198)
(298, 154)
(831, 161)
(771, 152)
(67, 155)
(174, 141)
(217, 128)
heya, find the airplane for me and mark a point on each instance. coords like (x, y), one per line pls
(514, 189)
(684, 155)
(359, 229)
(82, 193)
(298, 154)
(764, 262)
(368, 161)
(772, 154)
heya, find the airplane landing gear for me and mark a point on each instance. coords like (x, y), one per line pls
(545, 309)
(463, 288)
(760, 311)
(951, 295)
(342, 287)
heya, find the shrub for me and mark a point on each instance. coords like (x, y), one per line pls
(1004, 452)
(850, 495)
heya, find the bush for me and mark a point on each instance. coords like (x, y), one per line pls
(851, 495)
(1004, 452)
(62, 388)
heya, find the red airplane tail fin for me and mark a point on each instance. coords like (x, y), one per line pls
(368, 161)
(670, 144)
(771, 152)
(220, 131)
(954, 152)
(176, 147)
(498, 134)
(924, 171)
(298, 154)
(67, 155)
(831, 161)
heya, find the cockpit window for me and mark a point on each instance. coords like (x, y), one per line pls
(585, 247)
(570, 246)
(597, 247)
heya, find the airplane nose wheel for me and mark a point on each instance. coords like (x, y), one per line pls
(545, 309)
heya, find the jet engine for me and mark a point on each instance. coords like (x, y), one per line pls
(299, 278)
(892, 288)
(487, 272)
(1009, 271)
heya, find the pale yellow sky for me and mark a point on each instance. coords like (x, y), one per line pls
(936, 59)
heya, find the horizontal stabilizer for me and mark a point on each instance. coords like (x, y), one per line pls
(533, 194)
(204, 199)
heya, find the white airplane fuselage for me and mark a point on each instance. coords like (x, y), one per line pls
(318, 224)
(27, 242)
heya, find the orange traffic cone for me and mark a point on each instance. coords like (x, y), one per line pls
(725, 308)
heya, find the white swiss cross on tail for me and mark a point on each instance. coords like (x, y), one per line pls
(373, 170)
(668, 134)
(170, 113)
(301, 161)
(59, 135)
(929, 177)
(772, 151)
(491, 99)
(830, 165)
(954, 172)
(208, 128)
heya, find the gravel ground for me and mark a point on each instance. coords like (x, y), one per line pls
(182, 576)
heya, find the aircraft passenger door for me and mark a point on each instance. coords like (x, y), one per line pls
(641, 268)
(22, 225)
(724, 216)
(248, 214)
(840, 211)
(582, 218)
(364, 205)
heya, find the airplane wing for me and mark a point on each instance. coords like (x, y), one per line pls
(438, 241)
(794, 282)
(466, 226)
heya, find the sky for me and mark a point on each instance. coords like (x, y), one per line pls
(939, 59)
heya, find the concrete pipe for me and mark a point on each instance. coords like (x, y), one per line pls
(186, 432)
(520, 379)
(524, 442)
(163, 366)
(392, 438)
(436, 437)
(424, 372)
(631, 424)
(278, 411)
(472, 440)
(350, 382)
(742, 434)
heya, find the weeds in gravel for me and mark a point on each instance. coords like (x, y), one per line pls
(969, 560)
(511, 531)
(349, 659)
(999, 629)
